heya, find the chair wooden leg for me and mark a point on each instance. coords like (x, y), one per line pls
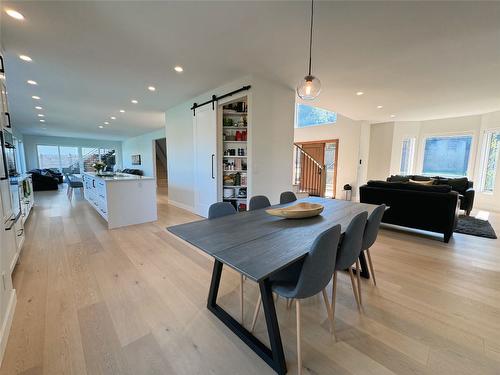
(256, 313)
(328, 309)
(334, 298)
(353, 283)
(299, 339)
(370, 264)
(241, 297)
(358, 276)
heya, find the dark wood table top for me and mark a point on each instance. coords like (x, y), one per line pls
(257, 244)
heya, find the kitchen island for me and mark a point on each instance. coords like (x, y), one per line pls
(121, 199)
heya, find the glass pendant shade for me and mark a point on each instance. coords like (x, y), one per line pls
(309, 88)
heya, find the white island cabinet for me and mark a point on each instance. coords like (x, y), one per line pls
(122, 199)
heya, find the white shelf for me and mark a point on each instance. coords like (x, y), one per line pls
(235, 186)
(235, 127)
(235, 141)
(237, 170)
(235, 199)
(228, 157)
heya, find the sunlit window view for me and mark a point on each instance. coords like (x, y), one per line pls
(447, 155)
(492, 148)
(311, 116)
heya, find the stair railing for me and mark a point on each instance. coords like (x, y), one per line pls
(309, 175)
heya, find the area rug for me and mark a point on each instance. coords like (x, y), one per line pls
(475, 227)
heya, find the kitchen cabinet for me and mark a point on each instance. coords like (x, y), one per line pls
(121, 199)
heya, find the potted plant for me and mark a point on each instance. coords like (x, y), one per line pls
(99, 167)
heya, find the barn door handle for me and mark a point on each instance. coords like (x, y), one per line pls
(213, 155)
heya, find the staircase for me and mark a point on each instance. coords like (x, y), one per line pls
(309, 176)
(161, 166)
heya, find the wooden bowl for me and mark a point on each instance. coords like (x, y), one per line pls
(297, 211)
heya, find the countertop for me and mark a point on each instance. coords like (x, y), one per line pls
(119, 177)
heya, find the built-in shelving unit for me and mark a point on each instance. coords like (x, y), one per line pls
(235, 127)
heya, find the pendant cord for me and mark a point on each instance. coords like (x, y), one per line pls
(311, 36)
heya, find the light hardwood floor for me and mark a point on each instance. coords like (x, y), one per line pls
(132, 301)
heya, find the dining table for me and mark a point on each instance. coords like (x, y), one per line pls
(257, 245)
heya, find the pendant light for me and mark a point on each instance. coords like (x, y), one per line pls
(310, 87)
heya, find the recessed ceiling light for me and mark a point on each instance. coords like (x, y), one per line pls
(25, 58)
(31, 82)
(100, 126)
(380, 106)
(122, 111)
(151, 88)
(14, 14)
(42, 120)
(179, 69)
(36, 97)
(41, 115)
(38, 107)
(359, 93)
(393, 116)
(106, 123)
(134, 101)
(113, 118)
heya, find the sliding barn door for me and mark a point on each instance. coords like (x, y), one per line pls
(205, 136)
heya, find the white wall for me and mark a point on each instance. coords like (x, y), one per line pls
(270, 134)
(353, 139)
(31, 141)
(379, 162)
(141, 145)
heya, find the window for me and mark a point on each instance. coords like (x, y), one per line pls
(67, 159)
(312, 116)
(407, 155)
(57, 157)
(490, 161)
(48, 156)
(91, 155)
(447, 155)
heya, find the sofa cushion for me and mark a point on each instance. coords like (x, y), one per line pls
(426, 183)
(420, 178)
(459, 185)
(410, 186)
(398, 178)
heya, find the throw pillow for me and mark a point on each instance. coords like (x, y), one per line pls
(430, 182)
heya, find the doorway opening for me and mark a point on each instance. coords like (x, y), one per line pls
(315, 167)
(161, 163)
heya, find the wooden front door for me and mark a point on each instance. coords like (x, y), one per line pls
(325, 154)
(309, 175)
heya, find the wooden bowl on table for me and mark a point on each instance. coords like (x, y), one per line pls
(297, 211)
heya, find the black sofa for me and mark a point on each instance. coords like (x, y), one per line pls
(433, 208)
(43, 180)
(462, 186)
(137, 172)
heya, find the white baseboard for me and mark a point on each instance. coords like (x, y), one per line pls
(182, 205)
(5, 329)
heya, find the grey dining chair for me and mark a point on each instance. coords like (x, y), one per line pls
(73, 182)
(348, 254)
(306, 278)
(221, 209)
(258, 202)
(287, 197)
(371, 233)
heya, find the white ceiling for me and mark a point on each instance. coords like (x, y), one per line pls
(420, 60)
